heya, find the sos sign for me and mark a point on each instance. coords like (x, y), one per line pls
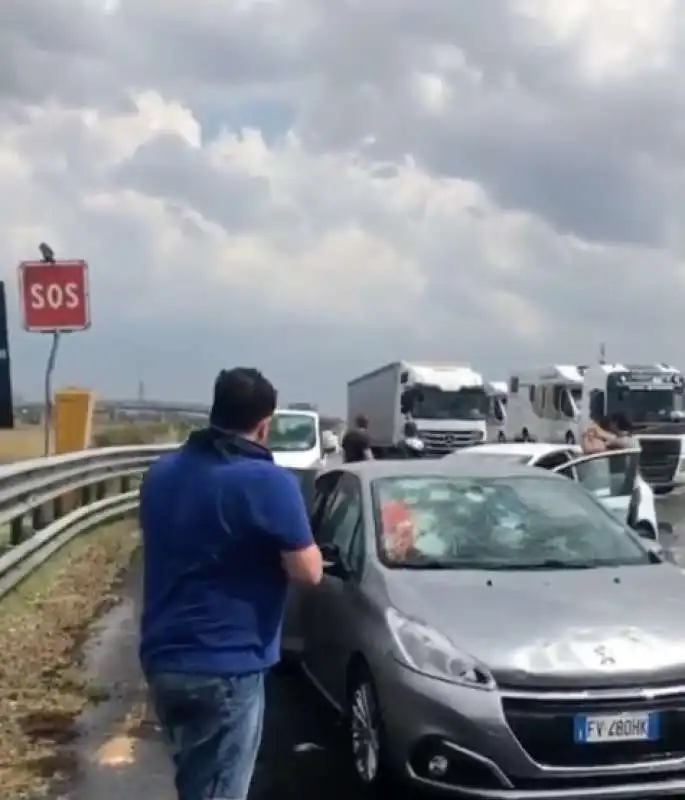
(54, 295)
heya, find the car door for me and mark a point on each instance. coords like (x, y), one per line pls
(328, 616)
(611, 476)
(317, 493)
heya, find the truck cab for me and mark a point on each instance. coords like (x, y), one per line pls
(448, 404)
(652, 397)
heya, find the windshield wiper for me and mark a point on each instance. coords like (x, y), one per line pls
(433, 563)
(529, 566)
(550, 563)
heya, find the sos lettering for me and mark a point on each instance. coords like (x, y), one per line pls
(54, 295)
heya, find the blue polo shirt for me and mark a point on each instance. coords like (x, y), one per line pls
(215, 517)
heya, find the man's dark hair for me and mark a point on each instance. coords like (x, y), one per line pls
(622, 422)
(243, 397)
(361, 421)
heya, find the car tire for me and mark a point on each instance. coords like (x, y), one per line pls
(365, 737)
(662, 490)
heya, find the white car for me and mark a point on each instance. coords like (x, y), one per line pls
(611, 476)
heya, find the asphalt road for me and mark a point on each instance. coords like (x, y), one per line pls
(301, 752)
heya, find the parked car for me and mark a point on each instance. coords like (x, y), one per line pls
(613, 476)
(482, 629)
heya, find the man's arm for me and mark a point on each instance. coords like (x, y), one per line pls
(281, 514)
(366, 447)
(592, 442)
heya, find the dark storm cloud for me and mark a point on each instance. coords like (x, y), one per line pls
(574, 160)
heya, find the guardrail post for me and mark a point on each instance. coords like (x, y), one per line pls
(37, 518)
(125, 484)
(56, 508)
(85, 495)
(16, 531)
(100, 491)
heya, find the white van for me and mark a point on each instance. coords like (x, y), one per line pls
(295, 439)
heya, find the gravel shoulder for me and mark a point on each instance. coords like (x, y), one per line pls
(43, 625)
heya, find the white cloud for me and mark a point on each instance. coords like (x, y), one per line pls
(317, 188)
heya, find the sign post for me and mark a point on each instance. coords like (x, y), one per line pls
(54, 299)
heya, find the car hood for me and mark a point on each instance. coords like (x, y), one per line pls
(600, 627)
(298, 459)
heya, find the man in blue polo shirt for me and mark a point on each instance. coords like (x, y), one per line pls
(224, 529)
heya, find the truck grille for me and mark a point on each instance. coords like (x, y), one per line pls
(659, 459)
(443, 442)
(544, 729)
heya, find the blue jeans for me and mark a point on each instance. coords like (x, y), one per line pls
(214, 726)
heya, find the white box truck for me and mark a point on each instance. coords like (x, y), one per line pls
(449, 404)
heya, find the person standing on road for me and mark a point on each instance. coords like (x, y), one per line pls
(223, 530)
(356, 443)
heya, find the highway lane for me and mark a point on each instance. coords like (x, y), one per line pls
(301, 754)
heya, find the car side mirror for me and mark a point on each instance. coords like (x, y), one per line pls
(662, 553)
(333, 562)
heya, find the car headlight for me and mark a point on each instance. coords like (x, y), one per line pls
(425, 650)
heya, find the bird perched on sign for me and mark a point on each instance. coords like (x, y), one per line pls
(46, 251)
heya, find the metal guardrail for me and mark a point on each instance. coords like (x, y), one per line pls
(46, 502)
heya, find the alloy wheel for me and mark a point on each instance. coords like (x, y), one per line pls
(365, 733)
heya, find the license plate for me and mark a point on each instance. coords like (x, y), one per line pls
(594, 729)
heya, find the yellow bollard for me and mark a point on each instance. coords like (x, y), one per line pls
(73, 425)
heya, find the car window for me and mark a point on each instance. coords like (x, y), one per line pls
(514, 522)
(552, 460)
(606, 475)
(324, 487)
(342, 518)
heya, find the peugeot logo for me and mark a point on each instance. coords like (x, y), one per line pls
(605, 657)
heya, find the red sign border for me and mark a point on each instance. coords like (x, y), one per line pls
(86, 296)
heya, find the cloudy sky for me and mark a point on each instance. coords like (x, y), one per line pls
(317, 187)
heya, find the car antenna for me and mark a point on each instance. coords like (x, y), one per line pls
(602, 353)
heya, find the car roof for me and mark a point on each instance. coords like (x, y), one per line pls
(532, 449)
(296, 412)
(466, 467)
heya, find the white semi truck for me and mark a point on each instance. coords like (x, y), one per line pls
(651, 396)
(447, 402)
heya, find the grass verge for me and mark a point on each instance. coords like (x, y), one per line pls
(43, 625)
